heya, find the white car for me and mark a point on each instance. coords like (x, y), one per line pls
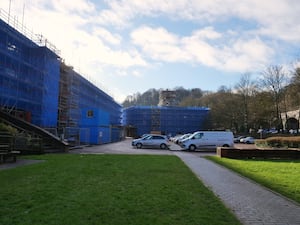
(152, 140)
(182, 137)
(238, 139)
(175, 138)
(248, 140)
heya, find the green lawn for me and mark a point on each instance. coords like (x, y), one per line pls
(107, 189)
(282, 176)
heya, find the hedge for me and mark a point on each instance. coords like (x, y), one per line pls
(279, 142)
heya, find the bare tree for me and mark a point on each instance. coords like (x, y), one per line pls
(293, 89)
(245, 88)
(274, 79)
(225, 111)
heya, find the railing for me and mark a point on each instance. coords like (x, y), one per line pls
(39, 39)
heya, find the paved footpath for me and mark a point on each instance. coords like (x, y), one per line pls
(250, 202)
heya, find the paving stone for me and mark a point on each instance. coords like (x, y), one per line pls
(252, 203)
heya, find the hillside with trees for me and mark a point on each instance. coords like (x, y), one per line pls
(251, 104)
(151, 97)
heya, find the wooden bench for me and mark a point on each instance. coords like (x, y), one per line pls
(6, 148)
(5, 155)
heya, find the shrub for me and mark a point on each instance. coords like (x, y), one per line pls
(8, 129)
(279, 142)
(261, 143)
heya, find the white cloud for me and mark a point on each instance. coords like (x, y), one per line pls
(120, 36)
(158, 44)
(136, 73)
(247, 55)
(276, 18)
(74, 6)
(79, 35)
(201, 52)
(271, 16)
(233, 55)
(79, 39)
(207, 33)
(153, 35)
(108, 37)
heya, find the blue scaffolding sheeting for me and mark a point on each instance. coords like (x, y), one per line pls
(29, 77)
(166, 120)
(91, 96)
(85, 106)
(37, 86)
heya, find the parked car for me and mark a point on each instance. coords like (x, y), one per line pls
(207, 139)
(238, 139)
(248, 140)
(273, 131)
(152, 140)
(178, 140)
(174, 139)
(267, 131)
(144, 135)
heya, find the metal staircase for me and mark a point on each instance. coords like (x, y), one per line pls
(48, 139)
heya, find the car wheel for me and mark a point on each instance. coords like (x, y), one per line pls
(139, 145)
(192, 147)
(163, 146)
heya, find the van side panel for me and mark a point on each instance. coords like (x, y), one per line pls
(208, 139)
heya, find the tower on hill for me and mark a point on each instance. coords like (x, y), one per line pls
(167, 98)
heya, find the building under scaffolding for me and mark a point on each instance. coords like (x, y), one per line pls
(37, 87)
(86, 113)
(164, 119)
(29, 78)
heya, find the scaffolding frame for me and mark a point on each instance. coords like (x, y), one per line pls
(155, 120)
(69, 114)
(77, 97)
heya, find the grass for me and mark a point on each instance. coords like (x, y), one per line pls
(108, 189)
(282, 176)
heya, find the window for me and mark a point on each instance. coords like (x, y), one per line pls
(90, 113)
(157, 137)
(198, 136)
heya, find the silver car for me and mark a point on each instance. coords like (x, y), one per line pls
(152, 140)
(248, 140)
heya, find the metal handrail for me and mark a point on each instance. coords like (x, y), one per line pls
(38, 39)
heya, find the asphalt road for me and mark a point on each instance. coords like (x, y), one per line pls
(124, 147)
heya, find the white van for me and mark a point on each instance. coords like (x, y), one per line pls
(208, 139)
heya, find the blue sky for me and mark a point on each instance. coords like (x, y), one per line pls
(130, 46)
